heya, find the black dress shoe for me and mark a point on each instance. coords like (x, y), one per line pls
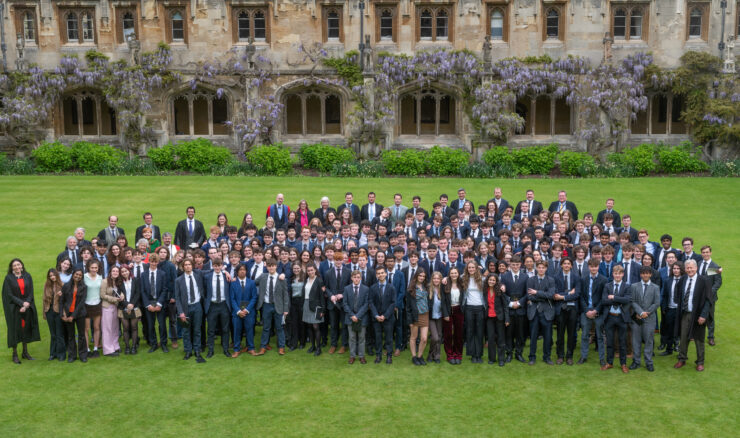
(301, 346)
(661, 347)
(199, 358)
(94, 354)
(458, 361)
(650, 368)
(490, 362)
(210, 354)
(378, 359)
(311, 349)
(665, 353)
(70, 360)
(531, 362)
(317, 352)
(292, 348)
(549, 362)
(415, 360)
(421, 361)
(227, 354)
(520, 358)
(501, 363)
(135, 350)
(389, 359)
(83, 359)
(153, 349)
(634, 366)
(165, 349)
(51, 358)
(581, 361)
(15, 359)
(127, 351)
(508, 357)
(188, 355)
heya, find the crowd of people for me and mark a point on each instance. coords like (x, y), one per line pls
(373, 281)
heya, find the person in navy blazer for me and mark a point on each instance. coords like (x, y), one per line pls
(616, 302)
(398, 280)
(356, 316)
(568, 285)
(536, 206)
(517, 293)
(153, 300)
(365, 211)
(592, 286)
(217, 306)
(334, 307)
(567, 205)
(382, 310)
(353, 208)
(190, 312)
(541, 312)
(243, 291)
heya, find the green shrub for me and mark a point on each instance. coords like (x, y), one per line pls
(234, 168)
(137, 166)
(18, 166)
(724, 168)
(637, 161)
(477, 170)
(163, 157)
(444, 160)
(408, 162)
(96, 158)
(271, 159)
(535, 160)
(363, 169)
(324, 157)
(53, 157)
(498, 156)
(679, 159)
(200, 155)
(576, 163)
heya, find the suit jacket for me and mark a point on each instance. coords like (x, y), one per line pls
(438, 267)
(535, 210)
(562, 284)
(606, 269)
(354, 209)
(211, 292)
(617, 218)
(357, 306)
(281, 297)
(135, 295)
(634, 269)
(596, 292)
(65, 253)
(631, 231)
(319, 213)
(155, 232)
(569, 205)
(159, 294)
(666, 292)
(364, 212)
(622, 299)
(280, 219)
(384, 304)
(66, 300)
(399, 285)
(315, 295)
(108, 237)
(646, 302)
(583, 273)
(516, 291)
(501, 305)
(330, 280)
(503, 205)
(542, 301)
(702, 302)
(183, 239)
(181, 291)
(239, 295)
(401, 213)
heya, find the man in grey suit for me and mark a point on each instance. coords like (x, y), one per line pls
(274, 301)
(645, 301)
(541, 312)
(356, 316)
(398, 211)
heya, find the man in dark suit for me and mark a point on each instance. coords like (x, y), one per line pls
(566, 309)
(353, 208)
(516, 289)
(432, 263)
(592, 286)
(563, 204)
(111, 232)
(335, 279)
(148, 223)
(458, 231)
(627, 228)
(522, 212)
(243, 294)
(501, 203)
(540, 311)
(444, 208)
(189, 294)
(274, 300)
(382, 310)
(616, 302)
(631, 267)
(217, 306)
(416, 208)
(323, 210)
(459, 203)
(668, 306)
(688, 251)
(398, 281)
(278, 211)
(609, 209)
(189, 231)
(356, 316)
(694, 298)
(645, 303)
(534, 207)
(660, 256)
(153, 296)
(71, 252)
(711, 269)
(372, 209)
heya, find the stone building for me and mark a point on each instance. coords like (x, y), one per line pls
(205, 29)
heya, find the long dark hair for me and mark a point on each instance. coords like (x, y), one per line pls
(10, 266)
(496, 288)
(57, 282)
(415, 282)
(458, 282)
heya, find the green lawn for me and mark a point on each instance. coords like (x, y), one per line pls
(299, 395)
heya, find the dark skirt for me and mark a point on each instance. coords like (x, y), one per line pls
(94, 311)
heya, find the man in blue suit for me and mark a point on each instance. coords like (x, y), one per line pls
(382, 310)
(398, 281)
(541, 312)
(353, 208)
(592, 286)
(153, 295)
(217, 306)
(189, 293)
(243, 294)
(356, 316)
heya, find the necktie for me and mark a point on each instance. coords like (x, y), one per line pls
(608, 269)
(74, 257)
(529, 203)
(113, 232)
(562, 208)
(432, 266)
(218, 288)
(271, 288)
(644, 286)
(190, 227)
(686, 295)
(153, 285)
(254, 272)
(363, 276)
(590, 292)
(382, 291)
(354, 306)
(339, 279)
(138, 271)
(192, 289)
(516, 278)
(704, 268)
(413, 271)
(280, 211)
(242, 284)
(397, 213)
(567, 282)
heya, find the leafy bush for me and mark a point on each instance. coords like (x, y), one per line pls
(233, 168)
(637, 161)
(364, 169)
(408, 162)
(324, 157)
(96, 158)
(18, 166)
(200, 155)
(53, 157)
(444, 160)
(271, 159)
(576, 163)
(724, 168)
(535, 160)
(680, 159)
(498, 156)
(137, 166)
(163, 157)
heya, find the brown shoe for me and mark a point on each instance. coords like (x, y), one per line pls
(625, 369)
(332, 349)
(559, 361)
(281, 351)
(711, 342)
(363, 361)
(252, 352)
(679, 364)
(342, 350)
(268, 347)
(243, 350)
(606, 366)
(174, 345)
(700, 368)
(261, 352)
(235, 354)
(351, 360)
(569, 361)
(396, 352)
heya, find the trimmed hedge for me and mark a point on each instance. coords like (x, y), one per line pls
(576, 163)
(679, 159)
(408, 162)
(535, 160)
(53, 157)
(271, 159)
(324, 157)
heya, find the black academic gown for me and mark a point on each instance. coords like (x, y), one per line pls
(12, 303)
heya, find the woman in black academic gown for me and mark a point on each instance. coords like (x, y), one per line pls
(20, 309)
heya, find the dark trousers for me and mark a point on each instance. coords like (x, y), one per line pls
(400, 329)
(698, 337)
(76, 345)
(474, 326)
(154, 318)
(384, 335)
(496, 338)
(57, 347)
(218, 317)
(710, 321)
(540, 325)
(667, 330)
(567, 320)
(244, 325)
(175, 329)
(515, 333)
(271, 318)
(452, 332)
(191, 335)
(615, 322)
(336, 316)
(370, 336)
(296, 327)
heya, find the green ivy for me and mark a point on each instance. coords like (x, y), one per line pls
(347, 67)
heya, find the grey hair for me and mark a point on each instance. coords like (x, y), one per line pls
(690, 262)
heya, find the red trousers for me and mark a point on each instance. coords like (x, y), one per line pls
(453, 334)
